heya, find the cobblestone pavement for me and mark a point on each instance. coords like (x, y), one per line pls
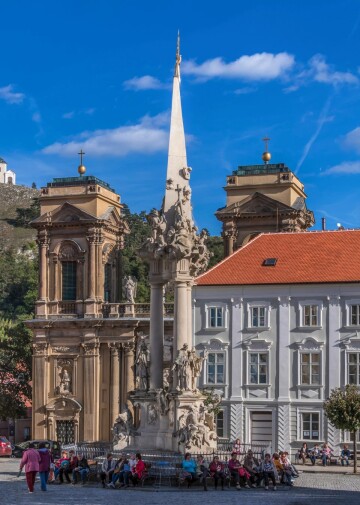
(331, 489)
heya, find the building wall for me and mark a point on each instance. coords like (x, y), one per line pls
(284, 339)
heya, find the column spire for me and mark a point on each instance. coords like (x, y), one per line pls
(177, 191)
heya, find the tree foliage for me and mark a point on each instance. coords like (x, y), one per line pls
(15, 367)
(343, 411)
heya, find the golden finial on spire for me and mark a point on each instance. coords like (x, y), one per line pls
(266, 156)
(178, 56)
(81, 167)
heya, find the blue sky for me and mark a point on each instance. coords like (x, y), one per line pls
(98, 75)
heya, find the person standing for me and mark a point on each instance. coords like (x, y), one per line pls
(31, 461)
(44, 466)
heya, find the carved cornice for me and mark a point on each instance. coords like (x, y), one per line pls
(40, 348)
(257, 344)
(91, 348)
(309, 344)
(65, 349)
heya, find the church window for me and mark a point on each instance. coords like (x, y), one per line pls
(107, 282)
(69, 280)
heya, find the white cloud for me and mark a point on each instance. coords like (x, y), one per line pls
(68, 115)
(323, 72)
(244, 91)
(36, 117)
(144, 82)
(346, 167)
(148, 136)
(257, 67)
(8, 94)
(352, 139)
(323, 118)
(89, 111)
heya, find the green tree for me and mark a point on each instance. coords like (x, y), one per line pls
(215, 245)
(15, 368)
(343, 411)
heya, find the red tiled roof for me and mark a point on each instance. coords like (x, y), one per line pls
(302, 258)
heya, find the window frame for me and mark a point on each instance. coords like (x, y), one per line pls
(74, 288)
(224, 314)
(249, 364)
(301, 318)
(215, 353)
(310, 413)
(357, 364)
(258, 305)
(311, 353)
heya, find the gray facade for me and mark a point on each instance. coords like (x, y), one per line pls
(276, 352)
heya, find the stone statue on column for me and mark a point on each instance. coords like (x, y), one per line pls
(129, 289)
(142, 365)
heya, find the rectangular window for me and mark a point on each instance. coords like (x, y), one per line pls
(311, 315)
(219, 422)
(216, 319)
(258, 368)
(310, 368)
(68, 280)
(216, 368)
(355, 315)
(257, 317)
(107, 282)
(354, 368)
(310, 426)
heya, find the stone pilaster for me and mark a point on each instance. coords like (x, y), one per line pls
(129, 377)
(91, 384)
(115, 351)
(40, 390)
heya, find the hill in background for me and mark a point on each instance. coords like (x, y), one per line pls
(18, 206)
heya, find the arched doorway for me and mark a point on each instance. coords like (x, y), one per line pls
(63, 416)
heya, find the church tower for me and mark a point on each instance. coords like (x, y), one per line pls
(83, 338)
(260, 199)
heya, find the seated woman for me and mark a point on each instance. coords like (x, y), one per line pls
(326, 454)
(267, 468)
(61, 464)
(314, 453)
(189, 469)
(251, 465)
(303, 453)
(116, 474)
(286, 469)
(203, 469)
(217, 471)
(125, 474)
(138, 470)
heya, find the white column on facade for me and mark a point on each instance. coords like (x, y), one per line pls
(235, 360)
(156, 335)
(283, 371)
(332, 362)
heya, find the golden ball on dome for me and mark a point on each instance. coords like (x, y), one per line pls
(81, 169)
(266, 156)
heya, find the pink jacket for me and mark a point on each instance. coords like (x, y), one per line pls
(31, 460)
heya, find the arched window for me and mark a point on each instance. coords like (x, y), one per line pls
(68, 280)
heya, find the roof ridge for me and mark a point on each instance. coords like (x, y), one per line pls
(231, 256)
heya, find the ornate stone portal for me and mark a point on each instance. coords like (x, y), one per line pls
(173, 415)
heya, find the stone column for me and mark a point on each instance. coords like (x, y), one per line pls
(43, 242)
(114, 383)
(190, 314)
(181, 310)
(91, 391)
(99, 271)
(40, 390)
(156, 336)
(92, 268)
(129, 382)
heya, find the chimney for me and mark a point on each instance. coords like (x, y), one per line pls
(323, 224)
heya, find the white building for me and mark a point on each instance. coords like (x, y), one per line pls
(6, 176)
(277, 323)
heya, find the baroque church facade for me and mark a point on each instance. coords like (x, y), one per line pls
(84, 339)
